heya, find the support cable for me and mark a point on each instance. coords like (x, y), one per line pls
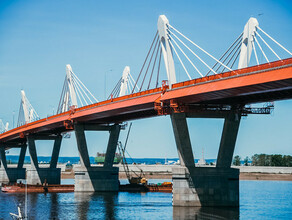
(115, 88)
(77, 92)
(145, 60)
(275, 41)
(235, 42)
(200, 48)
(77, 83)
(149, 64)
(236, 48)
(153, 66)
(235, 59)
(61, 101)
(180, 60)
(255, 52)
(85, 87)
(136, 87)
(193, 53)
(158, 68)
(261, 49)
(268, 46)
(232, 57)
(132, 85)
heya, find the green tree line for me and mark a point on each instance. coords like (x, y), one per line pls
(275, 160)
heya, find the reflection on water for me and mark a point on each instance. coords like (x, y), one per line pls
(106, 202)
(258, 200)
(205, 213)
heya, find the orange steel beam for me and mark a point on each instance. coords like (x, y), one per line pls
(259, 82)
(271, 77)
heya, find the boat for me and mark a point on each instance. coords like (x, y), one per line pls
(46, 188)
(18, 216)
(99, 159)
(138, 187)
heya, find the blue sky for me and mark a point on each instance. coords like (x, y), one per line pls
(98, 38)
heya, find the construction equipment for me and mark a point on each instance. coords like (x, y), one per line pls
(140, 177)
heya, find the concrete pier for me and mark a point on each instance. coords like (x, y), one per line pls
(10, 175)
(43, 175)
(88, 178)
(50, 175)
(96, 179)
(206, 186)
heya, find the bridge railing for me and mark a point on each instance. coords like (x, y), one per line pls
(157, 90)
(234, 73)
(151, 91)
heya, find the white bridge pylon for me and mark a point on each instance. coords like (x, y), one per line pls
(250, 38)
(74, 94)
(3, 128)
(162, 26)
(127, 82)
(170, 42)
(247, 43)
(125, 85)
(27, 113)
(124, 81)
(173, 42)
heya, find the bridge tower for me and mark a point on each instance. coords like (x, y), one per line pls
(202, 186)
(72, 92)
(247, 43)
(124, 81)
(27, 114)
(162, 26)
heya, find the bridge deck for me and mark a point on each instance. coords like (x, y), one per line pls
(267, 82)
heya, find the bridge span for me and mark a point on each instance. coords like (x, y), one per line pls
(221, 95)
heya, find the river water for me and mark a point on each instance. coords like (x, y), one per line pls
(258, 200)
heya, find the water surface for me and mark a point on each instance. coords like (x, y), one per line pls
(258, 200)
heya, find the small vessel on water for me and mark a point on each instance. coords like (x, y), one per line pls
(99, 159)
(17, 216)
(20, 187)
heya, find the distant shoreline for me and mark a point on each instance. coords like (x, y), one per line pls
(164, 172)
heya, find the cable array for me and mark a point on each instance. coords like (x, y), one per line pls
(74, 93)
(148, 68)
(130, 86)
(26, 113)
(3, 128)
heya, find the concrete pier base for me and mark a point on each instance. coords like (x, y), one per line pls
(42, 175)
(10, 175)
(205, 186)
(96, 179)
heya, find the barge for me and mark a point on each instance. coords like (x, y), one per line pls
(22, 188)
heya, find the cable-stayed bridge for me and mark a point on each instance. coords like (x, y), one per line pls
(214, 88)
